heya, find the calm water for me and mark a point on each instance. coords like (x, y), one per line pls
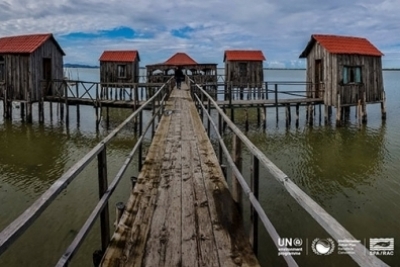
(352, 172)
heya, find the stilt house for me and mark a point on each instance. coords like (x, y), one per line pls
(119, 66)
(26, 63)
(199, 72)
(343, 70)
(244, 67)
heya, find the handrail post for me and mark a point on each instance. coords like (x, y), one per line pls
(153, 113)
(220, 153)
(236, 187)
(103, 185)
(230, 103)
(276, 102)
(253, 214)
(208, 119)
(140, 162)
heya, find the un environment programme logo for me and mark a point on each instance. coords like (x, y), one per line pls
(290, 246)
(323, 246)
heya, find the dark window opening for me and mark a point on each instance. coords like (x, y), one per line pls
(351, 74)
(121, 69)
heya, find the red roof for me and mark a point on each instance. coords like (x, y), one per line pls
(25, 43)
(342, 45)
(244, 55)
(120, 56)
(180, 59)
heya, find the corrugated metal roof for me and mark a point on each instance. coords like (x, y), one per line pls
(342, 45)
(120, 56)
(180, 59)
(244, 55)
(25, 43)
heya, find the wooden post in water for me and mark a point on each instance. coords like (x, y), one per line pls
(29, 108)
(338, 112)
(237, 158)
(254, 184)
(383, 106)
(310, 114)
(103, 185)
(326, 114)
(23, 110)
(364, 107)
(297, 114)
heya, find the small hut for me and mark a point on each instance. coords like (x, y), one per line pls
(243, 67)
(25, 62)
(344, 71)
(119, 66)
(199, 72)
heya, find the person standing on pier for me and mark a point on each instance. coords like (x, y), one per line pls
(178, 77)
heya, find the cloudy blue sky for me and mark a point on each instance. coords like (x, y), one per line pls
(203, 29)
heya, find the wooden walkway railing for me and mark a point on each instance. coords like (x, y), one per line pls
(13, 231)
(323, 218)
(180, 212)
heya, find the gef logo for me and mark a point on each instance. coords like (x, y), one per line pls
(289, 242)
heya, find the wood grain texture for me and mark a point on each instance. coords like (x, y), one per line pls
(181, 212)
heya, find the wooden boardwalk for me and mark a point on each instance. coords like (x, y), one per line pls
(180, 212)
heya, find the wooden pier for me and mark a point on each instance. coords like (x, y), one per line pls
(180, 212)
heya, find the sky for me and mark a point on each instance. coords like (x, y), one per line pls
(204, 29)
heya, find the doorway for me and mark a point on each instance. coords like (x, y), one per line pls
(318, 78)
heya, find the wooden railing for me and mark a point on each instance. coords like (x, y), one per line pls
(97, 91)
(13, 231)
(239, 184)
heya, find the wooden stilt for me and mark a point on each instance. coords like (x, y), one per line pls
(383, 106)
(338, 112)
(364, 108)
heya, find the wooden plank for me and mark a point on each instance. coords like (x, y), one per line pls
(139, 208)
(232, 245)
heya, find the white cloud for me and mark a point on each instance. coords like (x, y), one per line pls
(281, 28)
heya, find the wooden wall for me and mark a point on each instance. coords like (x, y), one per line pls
(332, 64)
(254, 73)
(48, 50)
(371, 76)
(109, 72)
(24, 72)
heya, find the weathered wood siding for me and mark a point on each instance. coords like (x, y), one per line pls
(371, 79)
(328, 86)
(48, 50)
(332, 64)
(109, 72)
(16, 76)
(254, 73)
(24, 72)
